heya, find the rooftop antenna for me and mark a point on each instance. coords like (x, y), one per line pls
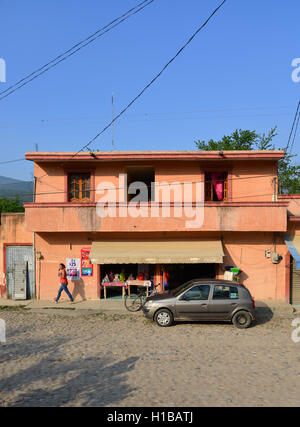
(112, 126)
(36, 147)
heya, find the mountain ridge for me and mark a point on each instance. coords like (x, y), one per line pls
(10, 188)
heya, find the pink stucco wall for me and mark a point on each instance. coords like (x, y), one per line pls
(294, 203)
(248, 180)
(264, 279)
(55, 248)
(245, 250)
(212, 217)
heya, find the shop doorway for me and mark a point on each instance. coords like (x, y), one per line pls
(181, 273)
(177, 274)
(120, 273)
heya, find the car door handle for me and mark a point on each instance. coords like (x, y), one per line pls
(234, 304)
(203, 305)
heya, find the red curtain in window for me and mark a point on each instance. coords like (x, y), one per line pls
(218, 183)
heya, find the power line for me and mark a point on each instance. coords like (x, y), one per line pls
(68, 53)
(20, 182)
(295, 133)
(205, 117)
(122, 188)
(147, 117)
(292, 129)
(153, 80)
(12, 161)
(146, 114)
(222, 201)
(149, 186)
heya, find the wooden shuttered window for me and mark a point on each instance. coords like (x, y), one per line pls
(210, 193)
(79, 187)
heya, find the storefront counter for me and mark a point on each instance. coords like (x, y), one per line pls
(127, 285)
(141, 283)
(114, 284)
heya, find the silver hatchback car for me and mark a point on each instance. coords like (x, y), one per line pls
(207, 300)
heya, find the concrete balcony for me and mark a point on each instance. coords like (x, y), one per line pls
(224, 216)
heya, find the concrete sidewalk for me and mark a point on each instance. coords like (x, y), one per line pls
(87, 305)
(279, 308)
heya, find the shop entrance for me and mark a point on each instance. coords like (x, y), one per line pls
(181, 273)
(168, 275)
(115, 277)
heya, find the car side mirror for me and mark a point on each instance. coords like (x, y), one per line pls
(184, 298)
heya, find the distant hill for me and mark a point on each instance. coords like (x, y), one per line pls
(10, 188)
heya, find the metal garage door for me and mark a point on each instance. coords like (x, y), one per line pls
(19, 272)
(295, 283)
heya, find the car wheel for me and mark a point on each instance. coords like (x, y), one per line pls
(163, 318)
(242, 319)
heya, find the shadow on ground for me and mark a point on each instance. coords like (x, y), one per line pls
(264, 314)
(52, 380)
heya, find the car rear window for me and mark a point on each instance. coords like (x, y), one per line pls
(200, 292)
(225, 292)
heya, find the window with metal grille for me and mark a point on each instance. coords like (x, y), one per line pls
(79, 187)
(216, 186)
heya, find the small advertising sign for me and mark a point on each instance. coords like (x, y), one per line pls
(73, 268)
(86, 266)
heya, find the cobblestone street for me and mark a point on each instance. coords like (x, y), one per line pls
(67, 358)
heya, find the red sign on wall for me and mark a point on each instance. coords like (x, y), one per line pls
(86, 266)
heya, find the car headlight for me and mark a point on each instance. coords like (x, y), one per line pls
(149, 304)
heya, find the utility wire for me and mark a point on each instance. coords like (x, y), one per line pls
(295, 133)
(194, 202)
(153, 80)
(119, 188)
(68, 53)
(148, 114)
(292, 129)
(12, 161)
(157, 185)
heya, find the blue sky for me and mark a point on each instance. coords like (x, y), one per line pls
(235, 74)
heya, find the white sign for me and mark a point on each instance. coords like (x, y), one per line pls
(73, 268)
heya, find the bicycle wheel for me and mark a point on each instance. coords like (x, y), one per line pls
(133, 302)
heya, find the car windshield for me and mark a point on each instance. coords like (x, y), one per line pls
(181, 288)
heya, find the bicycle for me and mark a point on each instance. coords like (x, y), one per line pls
(135, 302)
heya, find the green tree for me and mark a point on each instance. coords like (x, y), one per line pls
(13, 205)
(288, 176)
(288, 172)
(239, 140)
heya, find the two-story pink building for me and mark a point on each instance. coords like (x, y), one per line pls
(199, 214)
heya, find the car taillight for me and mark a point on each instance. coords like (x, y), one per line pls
(253, 303)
